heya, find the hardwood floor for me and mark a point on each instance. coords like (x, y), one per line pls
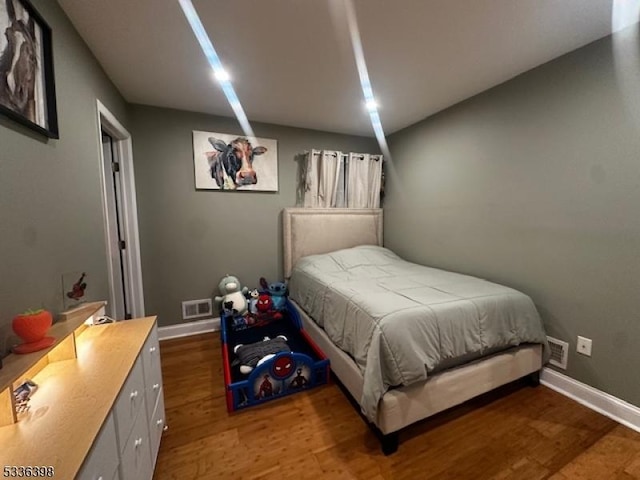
(519, 433)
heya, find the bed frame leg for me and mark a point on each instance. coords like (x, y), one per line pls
(533, 379)
(389, 443)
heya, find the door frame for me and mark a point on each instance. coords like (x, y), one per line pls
(129, 211)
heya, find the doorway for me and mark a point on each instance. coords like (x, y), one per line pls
(120, 219)
(117, 237)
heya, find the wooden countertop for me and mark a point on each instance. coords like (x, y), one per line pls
(74, 398)
(16, 365)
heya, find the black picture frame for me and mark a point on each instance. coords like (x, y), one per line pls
(27, 86)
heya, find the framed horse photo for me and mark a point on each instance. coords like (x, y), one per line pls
(235, 162)
(27, 90)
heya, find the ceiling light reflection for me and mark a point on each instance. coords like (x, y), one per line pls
(220, 73)
(371, 106)
(626, 53)
(365, 83)
(624, 13)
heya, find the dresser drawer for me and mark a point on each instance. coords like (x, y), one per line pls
(102, 461)
(152, 370)
(135, 459)
(128, 403)
(156, 427)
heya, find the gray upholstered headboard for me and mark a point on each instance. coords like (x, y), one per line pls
(309, 231)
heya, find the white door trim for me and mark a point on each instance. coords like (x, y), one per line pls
(122, 143)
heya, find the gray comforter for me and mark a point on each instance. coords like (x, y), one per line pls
(402, 322)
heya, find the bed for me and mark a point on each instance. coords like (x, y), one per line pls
(460, 336)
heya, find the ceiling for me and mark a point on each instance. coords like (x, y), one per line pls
(291, 61)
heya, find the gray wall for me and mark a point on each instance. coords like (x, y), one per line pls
(536, 184)
(190, 239)
(50, 203)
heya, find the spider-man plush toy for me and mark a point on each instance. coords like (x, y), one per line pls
(266, 312)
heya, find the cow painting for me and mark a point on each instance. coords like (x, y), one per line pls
(234, 163)
(231, 164)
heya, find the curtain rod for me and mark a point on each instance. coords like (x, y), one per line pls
(376, 158)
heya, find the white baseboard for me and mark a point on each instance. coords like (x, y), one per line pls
(189, 328)
(608, 405)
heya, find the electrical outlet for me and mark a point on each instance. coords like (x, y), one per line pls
(584, 346)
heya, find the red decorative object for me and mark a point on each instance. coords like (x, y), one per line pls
(78, 288)
(31, 327)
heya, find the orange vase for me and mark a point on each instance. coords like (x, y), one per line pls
(32, 328)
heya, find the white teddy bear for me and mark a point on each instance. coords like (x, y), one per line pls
(233, 298)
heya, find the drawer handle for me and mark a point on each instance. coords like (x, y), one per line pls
(156, 386)
(159, 422)
(138, 442)
(134, 394)
(152, 349)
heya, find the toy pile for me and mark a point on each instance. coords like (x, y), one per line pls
(266, 352)
(250, 308)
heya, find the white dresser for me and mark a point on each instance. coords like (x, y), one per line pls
(128, 443)
(99, 416)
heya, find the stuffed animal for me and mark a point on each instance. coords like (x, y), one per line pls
(265, 312)
(233, 295)
(264, 304)
(254, 354)
(278, 292)
(253, 301)
(236, 321)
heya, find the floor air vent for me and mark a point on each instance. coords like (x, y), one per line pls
(559, 352)
(196, 309)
